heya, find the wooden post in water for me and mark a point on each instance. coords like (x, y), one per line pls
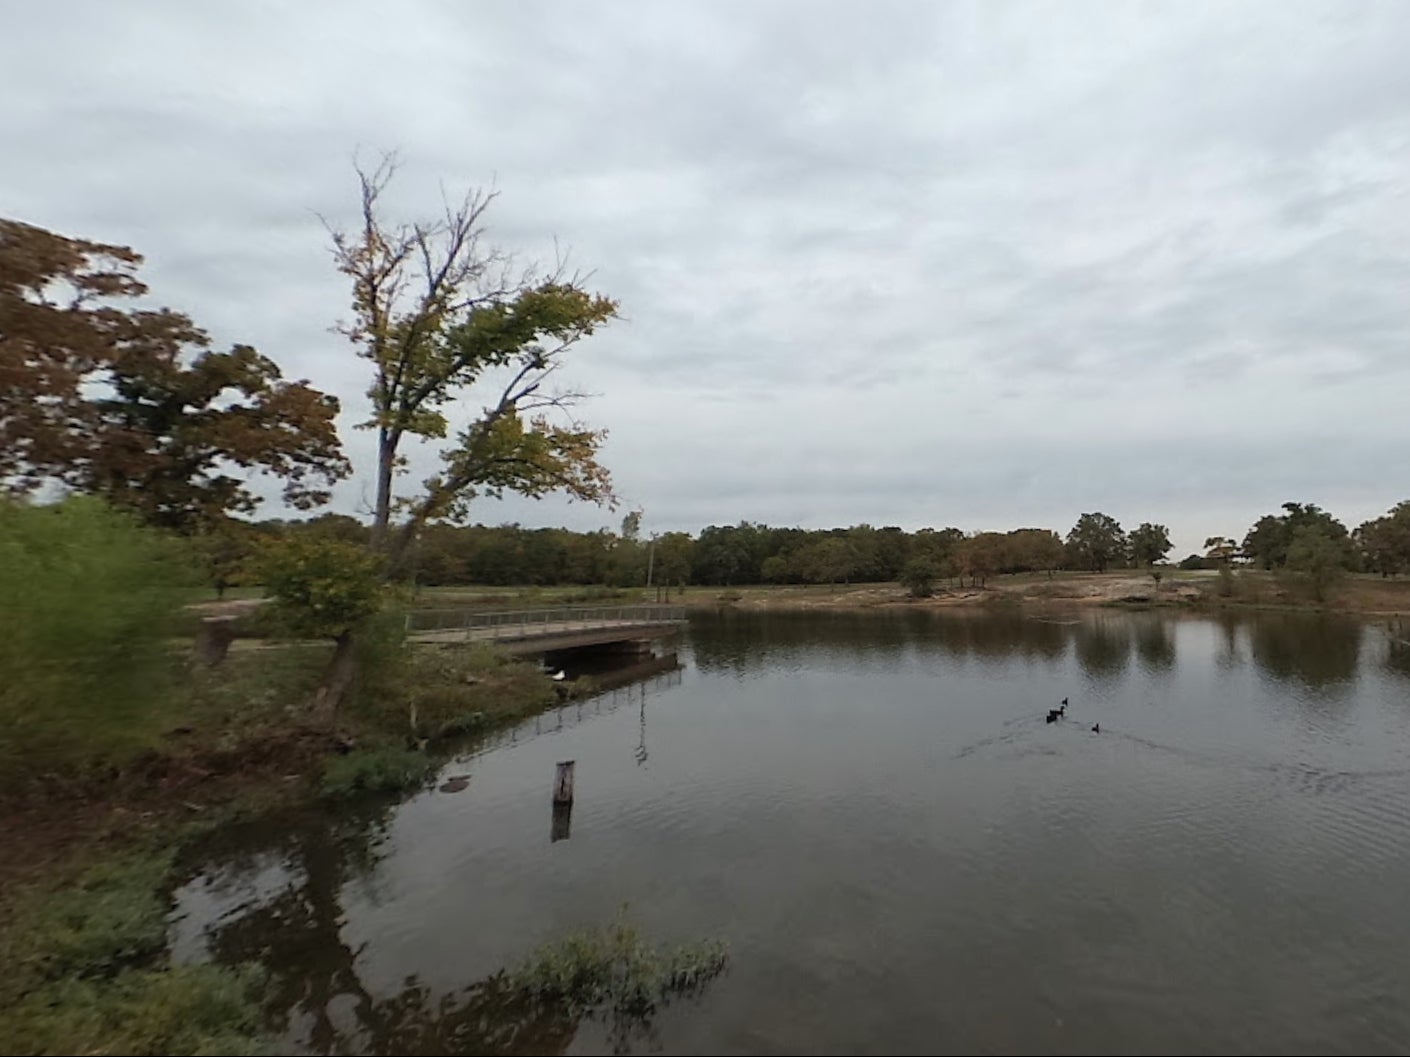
(563, 783)
(562, 802)
(562, 827)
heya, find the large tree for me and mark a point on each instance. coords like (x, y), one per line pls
(437, 311)
(1149, 543)
(1032, 549)
(131, 403)
(1318, 556)
(1096, 541)
(1267, 542)
(1385, 541)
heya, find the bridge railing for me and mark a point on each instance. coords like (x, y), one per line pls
(521, 622)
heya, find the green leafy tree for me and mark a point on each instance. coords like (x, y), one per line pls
(1385, 541)
(1268, 541)
(1149, 543)
(1034, 549)
(674, 555)
(437, 312)
(980, 556)
(828, 561)
(1096, 542)
(918, 577)
(1318, 557)
(320, 587)
(775, 569)
(891, 553)
(938, 546)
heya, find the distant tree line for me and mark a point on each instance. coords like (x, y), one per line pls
(723, 555)
(1302, 537)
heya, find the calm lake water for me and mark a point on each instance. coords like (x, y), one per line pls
(902, 855)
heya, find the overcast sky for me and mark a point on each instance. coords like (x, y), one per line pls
(983, 265)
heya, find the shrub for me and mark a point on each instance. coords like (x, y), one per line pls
(321, 587)
(88, 599)
(918, 577)
(1225, 585)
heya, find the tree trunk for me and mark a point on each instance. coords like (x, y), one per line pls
(213, 639)
(386, 461)
(337, 678)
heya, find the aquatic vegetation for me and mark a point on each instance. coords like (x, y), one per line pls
(376, 770)
(613, 968)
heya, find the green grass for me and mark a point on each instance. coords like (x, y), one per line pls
(381, 770)
(87, 971)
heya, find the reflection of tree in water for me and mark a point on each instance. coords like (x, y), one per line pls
(745, 642)
(1155, 644)
(996, 635)
(1316, 651)
(1397, 660)
(1104, 646)
(316, 995)
(1229, 624)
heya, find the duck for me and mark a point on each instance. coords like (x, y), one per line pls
(1053, 715)
(1096, 728)
(1061, 710)
(559, 676)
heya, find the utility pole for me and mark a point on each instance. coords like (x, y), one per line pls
(651, 561)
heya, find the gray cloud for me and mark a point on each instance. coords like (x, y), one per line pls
(976, 264)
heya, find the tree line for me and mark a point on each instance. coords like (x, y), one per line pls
(1302, 536)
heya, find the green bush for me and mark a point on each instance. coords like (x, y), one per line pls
(376, 770)
(88, 600)
(320, 587)
(918, 577)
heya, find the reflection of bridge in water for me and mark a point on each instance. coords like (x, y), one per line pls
(545, 630)
(630, 685)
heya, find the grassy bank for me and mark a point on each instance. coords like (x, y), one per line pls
(88, 971)
(83, 908)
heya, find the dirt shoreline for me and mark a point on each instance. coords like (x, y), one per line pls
(1363, 597)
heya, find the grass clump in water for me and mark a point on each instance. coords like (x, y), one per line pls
(613, 968)
(376, 770)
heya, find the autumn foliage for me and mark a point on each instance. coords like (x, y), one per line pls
(106, 396)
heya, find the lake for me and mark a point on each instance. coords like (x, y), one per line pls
(902, 855)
